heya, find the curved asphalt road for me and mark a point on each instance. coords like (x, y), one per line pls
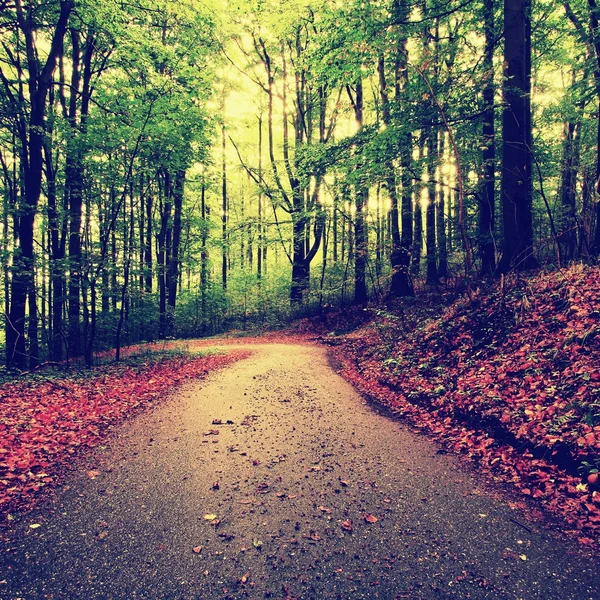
(303, 462)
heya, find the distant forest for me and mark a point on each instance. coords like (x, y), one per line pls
(177, 169)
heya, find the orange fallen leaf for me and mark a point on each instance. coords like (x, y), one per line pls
(244, 578)
(347, 525)
(371, 518)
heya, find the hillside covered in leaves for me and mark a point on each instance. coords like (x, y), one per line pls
(509, 376)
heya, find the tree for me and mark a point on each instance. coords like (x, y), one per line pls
(517, 139)
(37, 75)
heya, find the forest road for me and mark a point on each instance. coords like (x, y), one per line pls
(308, 493)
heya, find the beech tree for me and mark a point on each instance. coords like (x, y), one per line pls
(517, 139)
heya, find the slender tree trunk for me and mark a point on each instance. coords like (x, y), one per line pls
(259, 255)
(224, 210)
(148, 261)
(441, 214)
(174, 259)
(487, 202)
(568, 189)
(163, 253)
(418, 215)
(361, 196)
(204, 257)
(431, 250)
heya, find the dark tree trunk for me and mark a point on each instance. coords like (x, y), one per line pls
(517, 139)
(224, 211)
(203, 257)
(56, 230)
(441, 218)
(401, 284)
(418, 214)
(568, 190)
(361, 196)
(360, 238)
(431, 249)
(174, 259)
(163, 253)
(487, 211)
(148, 262)
(259, 254)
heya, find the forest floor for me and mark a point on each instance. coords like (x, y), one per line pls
(273, 478)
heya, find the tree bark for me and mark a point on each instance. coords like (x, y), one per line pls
(487, 202)
(517, 139)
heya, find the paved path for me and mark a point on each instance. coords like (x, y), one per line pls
(303, 463)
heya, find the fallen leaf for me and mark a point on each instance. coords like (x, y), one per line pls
(347, 525)
(370, 518)
(244, 578)
(586, 541)
(257, 543)
(210, 517)
(34, 526)
(197, 549)
(93, 474)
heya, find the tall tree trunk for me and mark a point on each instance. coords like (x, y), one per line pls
(203, 257)
(431, 249)
(568, 190)
(517, 139)
(163, 252)
(56, 231)
(418, 213)
(224, 210)
(259, 254)
(148, 262)
(361, 197)
(174, 258)
(487, 201)
(441, 214)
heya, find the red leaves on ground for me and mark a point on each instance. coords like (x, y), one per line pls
(503, 377)
(44, 423)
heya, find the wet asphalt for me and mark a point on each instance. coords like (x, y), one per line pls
(273, 478)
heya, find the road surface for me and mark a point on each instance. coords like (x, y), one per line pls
(301, 491)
